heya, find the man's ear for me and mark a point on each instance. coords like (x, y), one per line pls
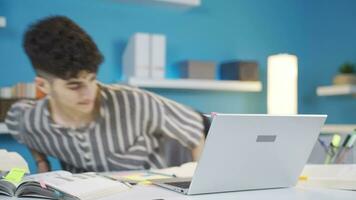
(42, 84)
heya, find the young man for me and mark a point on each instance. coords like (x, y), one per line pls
(87, 125)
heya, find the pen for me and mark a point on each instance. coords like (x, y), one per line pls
(163, 174)
(322, 143)
(333, 147)
(342, 149)
(348, 146)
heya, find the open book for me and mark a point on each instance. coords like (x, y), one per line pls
(63, 185)
(335, 176)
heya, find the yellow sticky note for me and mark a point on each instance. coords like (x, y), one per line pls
(145, 183)
(15, 175)
(303, 178)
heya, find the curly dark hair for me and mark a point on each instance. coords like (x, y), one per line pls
(59, 47)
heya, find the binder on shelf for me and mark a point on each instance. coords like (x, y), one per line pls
(145, 56)
(136, 57)
(158, 56)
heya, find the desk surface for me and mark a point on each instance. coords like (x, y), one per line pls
(297, 193)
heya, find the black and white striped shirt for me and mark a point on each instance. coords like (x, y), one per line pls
(124, 136)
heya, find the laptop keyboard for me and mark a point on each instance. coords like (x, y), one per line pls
(184, 184)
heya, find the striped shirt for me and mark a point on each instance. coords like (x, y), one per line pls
(124, 136)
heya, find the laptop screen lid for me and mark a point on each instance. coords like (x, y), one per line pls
(247, 152)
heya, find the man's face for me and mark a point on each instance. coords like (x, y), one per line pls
(77, 94)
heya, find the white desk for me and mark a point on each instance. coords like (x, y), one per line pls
(297, 193)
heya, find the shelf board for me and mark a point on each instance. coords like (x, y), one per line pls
(194, 84)
(336, 90)
(3, 128)
(175, 3)
(338, 128)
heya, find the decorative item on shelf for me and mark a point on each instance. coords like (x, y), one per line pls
(346, 76)
(9, 95)
(239, 70)
(21, 91)
(145, 56)
(194, 69)
(2, 22)
(282, 84)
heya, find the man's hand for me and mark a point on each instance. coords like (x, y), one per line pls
(43, 166)
(198, 149)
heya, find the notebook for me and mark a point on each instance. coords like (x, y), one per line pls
(62, 185)
(335, 176)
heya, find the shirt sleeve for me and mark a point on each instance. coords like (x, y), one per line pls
(180, 122)
(15, 120)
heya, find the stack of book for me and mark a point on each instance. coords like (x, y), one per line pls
(20, 90)
(145, 56)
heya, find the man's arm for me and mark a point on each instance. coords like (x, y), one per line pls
(198, 149)
(41, 161)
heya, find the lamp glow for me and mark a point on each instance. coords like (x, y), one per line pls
(282, 84)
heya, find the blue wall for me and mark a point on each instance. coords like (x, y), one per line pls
(330, 41)
(320, 33)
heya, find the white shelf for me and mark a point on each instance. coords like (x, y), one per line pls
(336, 90)
(2, 22)
(176, 3)
(3, 128)
(338, 128)
(193, 84)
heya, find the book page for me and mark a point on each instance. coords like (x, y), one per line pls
(86, 185)
(335, 171)
(7, 188)
(186, 170)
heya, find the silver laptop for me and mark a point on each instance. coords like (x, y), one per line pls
(249, 152)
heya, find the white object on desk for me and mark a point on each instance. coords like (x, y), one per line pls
(335, 176)
(3, 128)
(10, 160)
